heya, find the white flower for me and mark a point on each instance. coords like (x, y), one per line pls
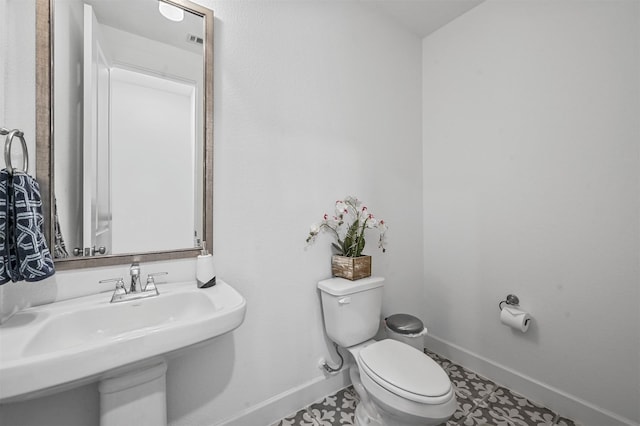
(347, 226)
(372, 222)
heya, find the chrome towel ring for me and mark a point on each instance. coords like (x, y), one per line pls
(7, 149)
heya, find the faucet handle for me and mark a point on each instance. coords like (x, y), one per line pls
(120, 290)
(157, 274)
(151, 277)
(151, 283)
(119, 281)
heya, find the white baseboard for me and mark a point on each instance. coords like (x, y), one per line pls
(559, 401)
(290, 401)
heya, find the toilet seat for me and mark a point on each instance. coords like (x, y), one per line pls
(405, 372)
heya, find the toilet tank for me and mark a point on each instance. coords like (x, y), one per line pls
(351, 309)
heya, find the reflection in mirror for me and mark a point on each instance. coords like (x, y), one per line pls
(131, 143)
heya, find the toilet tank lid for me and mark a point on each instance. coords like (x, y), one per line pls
(342, 287)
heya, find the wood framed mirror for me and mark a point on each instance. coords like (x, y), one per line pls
(125, 163)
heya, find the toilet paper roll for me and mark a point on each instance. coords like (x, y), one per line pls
(515, 318)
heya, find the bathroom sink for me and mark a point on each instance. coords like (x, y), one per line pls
(63, 344)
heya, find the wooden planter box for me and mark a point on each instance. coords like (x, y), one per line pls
(351, 268)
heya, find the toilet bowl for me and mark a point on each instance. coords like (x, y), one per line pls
(399, 386)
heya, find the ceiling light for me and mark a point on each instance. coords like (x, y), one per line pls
(170, 11)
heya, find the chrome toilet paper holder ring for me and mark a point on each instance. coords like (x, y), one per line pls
(511, 299)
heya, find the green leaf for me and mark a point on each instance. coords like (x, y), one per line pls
(360, 247)
(351, 240)
(338, 249)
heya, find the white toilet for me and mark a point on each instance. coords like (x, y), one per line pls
(398, 385)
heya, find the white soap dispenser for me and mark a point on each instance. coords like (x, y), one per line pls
(205, 269)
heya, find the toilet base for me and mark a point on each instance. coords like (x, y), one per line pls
(373, 410)
(366, 413)
(404, 413)
(362, 418)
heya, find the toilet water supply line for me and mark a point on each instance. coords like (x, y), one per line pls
(329, 369)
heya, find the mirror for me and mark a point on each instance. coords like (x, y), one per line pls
(124, 129)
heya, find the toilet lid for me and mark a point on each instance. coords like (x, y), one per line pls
(405, 371)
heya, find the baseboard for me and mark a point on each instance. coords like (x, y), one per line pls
(567, 405)
(290, 401)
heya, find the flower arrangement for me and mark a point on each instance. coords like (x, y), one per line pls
(348, 226)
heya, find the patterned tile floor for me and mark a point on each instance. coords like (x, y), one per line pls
(480, 402)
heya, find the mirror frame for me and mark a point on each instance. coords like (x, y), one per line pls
(45, 141)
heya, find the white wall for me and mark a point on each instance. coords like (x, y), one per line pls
(313, 101)
(17, 102)
(531, 186)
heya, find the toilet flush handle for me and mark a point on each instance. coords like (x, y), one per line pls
(344, 301)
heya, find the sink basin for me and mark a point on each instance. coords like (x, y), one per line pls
(63, 344)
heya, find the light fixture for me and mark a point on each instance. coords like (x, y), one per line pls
(170, 11)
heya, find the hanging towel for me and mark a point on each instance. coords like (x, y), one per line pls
(33, 254)
(25, 255)
(10, 270)
(5, 264)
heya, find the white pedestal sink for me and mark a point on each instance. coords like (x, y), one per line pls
(137, 398)
(123, 345)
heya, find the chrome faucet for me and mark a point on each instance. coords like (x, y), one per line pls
(136, 291)
(134, 271)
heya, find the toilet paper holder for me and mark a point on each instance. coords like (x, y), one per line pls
(511, 299)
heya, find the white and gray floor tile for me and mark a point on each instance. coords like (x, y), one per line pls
(481, 402)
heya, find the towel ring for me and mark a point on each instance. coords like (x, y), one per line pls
(7, 149)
